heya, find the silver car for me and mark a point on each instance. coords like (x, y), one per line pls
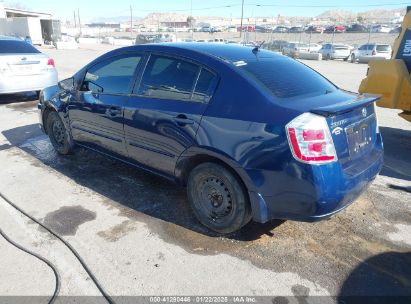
(23, 68)
(371, 51)
(335, 51)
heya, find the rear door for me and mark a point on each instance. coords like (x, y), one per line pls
(96, 111)
(163, 114)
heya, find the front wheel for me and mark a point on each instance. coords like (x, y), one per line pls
(59, 137)
(218, 199)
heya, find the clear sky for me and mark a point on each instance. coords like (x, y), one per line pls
(90, 9)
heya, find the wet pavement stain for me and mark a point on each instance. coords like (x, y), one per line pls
(117, 232)
(66, 220)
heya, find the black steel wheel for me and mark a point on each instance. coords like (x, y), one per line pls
(58, 134)
(218, 198)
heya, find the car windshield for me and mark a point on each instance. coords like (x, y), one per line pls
(16, 47)
(383, 48)
(286, 78)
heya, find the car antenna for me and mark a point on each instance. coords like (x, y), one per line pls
(257, 47)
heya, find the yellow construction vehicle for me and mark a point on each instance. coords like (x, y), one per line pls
(391, 78)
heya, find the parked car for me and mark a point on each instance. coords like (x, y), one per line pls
(371, 51)
(276, 45)
(335, 51)
(293, 49)
(381, 29)
(23, 67)
(296, 29)
(314, 47)
(357, 28)
(314, 29)
(281, 29)
(183, 111)
(396, 30)
(334, 29)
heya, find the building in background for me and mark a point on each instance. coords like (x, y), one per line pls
(40, 27)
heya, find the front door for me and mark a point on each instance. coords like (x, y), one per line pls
(97, 111)
(163, 114)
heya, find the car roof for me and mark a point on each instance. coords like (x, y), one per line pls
(2, 37)
(229, 52)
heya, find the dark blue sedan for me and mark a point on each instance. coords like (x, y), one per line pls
(251, 134)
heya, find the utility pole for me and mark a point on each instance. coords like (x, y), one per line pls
(79, 21)
(75, 19)
(131, 20)
(191, 19)
(242, 15)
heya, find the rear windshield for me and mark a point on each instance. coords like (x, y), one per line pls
(383, 48)
(341, 47)
(16, 47)
(286, 78)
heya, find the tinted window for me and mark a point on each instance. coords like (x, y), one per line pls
(287, 78)
(112, 76)
(383, 48)
(168, 78)
(205, 85)
(363, 48)
(16, 47)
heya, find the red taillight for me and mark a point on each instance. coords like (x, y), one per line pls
(51, 62)
(374, 53)
(310, 139)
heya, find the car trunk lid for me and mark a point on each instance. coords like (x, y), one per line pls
(24, 64)
(353, 127)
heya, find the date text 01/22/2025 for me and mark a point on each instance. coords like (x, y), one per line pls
(202, 299)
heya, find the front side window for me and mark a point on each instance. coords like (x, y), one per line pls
(168, 78)
(111, 76)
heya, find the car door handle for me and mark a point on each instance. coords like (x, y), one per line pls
(182, 120)
(113, 111)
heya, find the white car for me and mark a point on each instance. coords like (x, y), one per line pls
(293, 49)
(314, 47)
(371, 51)
(335, 51)
(23, 68)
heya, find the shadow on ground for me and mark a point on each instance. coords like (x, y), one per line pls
(397, 154)
(18, 97)
(129, 186)
(383, 278)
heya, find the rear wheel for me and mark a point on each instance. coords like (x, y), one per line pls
(59, 137)
(353, 59)
(217, 198)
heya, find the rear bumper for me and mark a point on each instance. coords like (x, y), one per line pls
(16, 84)
(328, 190)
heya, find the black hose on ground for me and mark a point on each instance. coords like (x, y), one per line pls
(47, 262)
(76, 254)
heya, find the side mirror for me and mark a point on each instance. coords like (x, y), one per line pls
(66, 84)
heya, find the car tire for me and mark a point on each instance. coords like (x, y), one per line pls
(353, 59)
(59, 137)
(217, 198)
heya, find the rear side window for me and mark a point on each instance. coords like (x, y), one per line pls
(16, 47)
(111, 76)
(205, 85)
(383, 48)
(168, 78)
(287, 78)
